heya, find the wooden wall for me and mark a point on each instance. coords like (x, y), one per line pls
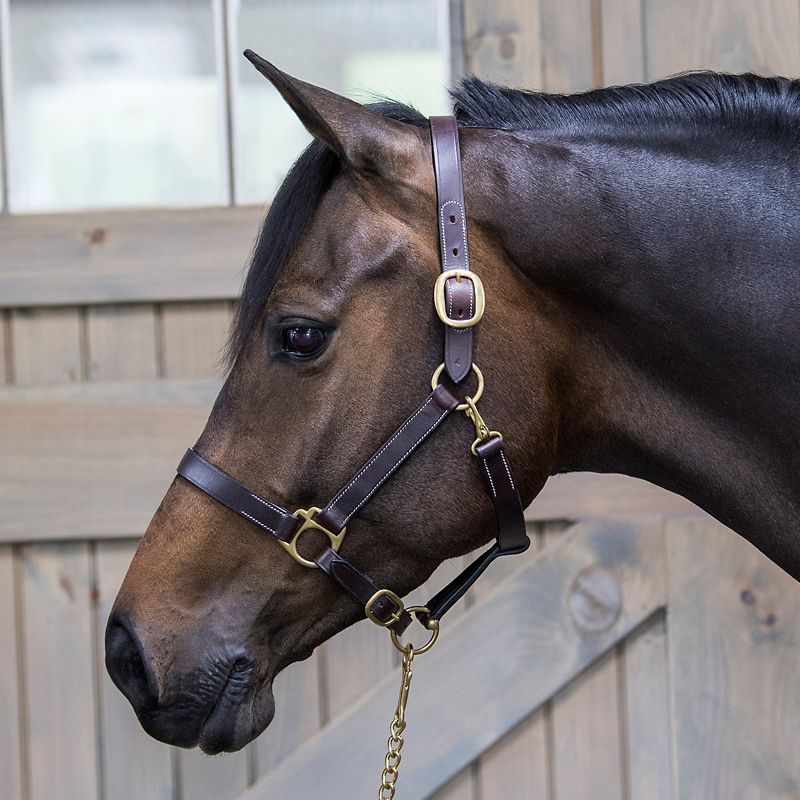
(572, 45)
(102, 312)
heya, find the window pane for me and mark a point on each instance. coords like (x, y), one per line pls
(114, 103)
(361, 48)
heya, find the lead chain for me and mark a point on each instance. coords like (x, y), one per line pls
(398, 725)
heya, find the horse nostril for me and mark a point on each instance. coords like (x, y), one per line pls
(125, 665)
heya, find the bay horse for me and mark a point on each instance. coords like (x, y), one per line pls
(639, 247)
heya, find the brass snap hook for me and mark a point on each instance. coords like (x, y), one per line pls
(482, 432)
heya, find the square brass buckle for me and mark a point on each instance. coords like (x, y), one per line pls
(395, 617)
(309, 523)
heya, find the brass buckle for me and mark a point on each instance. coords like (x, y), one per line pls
(309, 523)
(395, 616)
(440, 298)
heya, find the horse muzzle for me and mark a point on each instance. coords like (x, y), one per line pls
(220, 705)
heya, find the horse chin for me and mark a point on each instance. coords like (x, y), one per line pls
(234, 721)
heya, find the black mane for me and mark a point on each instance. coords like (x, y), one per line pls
(749, 103)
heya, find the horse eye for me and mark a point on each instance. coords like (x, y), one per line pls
(303, 340)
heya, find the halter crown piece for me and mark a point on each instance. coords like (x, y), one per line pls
(459, 301)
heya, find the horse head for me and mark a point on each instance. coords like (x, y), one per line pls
(334, 344)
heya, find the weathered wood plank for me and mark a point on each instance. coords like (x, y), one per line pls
(732, 36)
(125, 256)
(520, 757)
(6, 366)
(733, 634)
(518, 665)
(462, 787)
(113, 394)
(567, 43)
(621, 28)
(584, 718)
(299, 713)
(502, 41)
(193, 337)
(647, 722)
(518, 760)
(589, 494)
(11, 734)
(221, 777)
(121, 342)
(92, 469)
(60, 701)
(134, 765)
(354, 659)
(46, 345)
(587, 760)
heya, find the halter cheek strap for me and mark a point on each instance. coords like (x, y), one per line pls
(459, 302)
(459, 293)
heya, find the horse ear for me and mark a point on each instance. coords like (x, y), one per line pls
(360, 136)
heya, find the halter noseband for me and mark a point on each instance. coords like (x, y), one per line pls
(459, 302)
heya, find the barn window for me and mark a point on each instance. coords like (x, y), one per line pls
(137, 103)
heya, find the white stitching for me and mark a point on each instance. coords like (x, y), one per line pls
(397, 464)
(508, 470)
(489, 476)
(267, 503)
(372, 460)
(463, 232)
(259, 523)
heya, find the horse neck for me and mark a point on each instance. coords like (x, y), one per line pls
(674, 280)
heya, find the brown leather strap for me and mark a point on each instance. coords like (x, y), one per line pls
(281, 524)
(372, 475)
(452, 219)
(460, 304)
(363, 590)
(508, 510)
(236, 496)
(385, 462)
(512, 538)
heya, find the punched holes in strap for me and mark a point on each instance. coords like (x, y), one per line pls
(460, 298)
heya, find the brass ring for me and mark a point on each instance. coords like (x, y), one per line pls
(432, 625)
(437, 373)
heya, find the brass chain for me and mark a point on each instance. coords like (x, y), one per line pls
(398, 725)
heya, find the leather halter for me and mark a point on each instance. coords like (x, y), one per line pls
(459, 302)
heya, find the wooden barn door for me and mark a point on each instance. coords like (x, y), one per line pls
(623, 660)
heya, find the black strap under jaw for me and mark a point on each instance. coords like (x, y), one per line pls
(459, 303)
